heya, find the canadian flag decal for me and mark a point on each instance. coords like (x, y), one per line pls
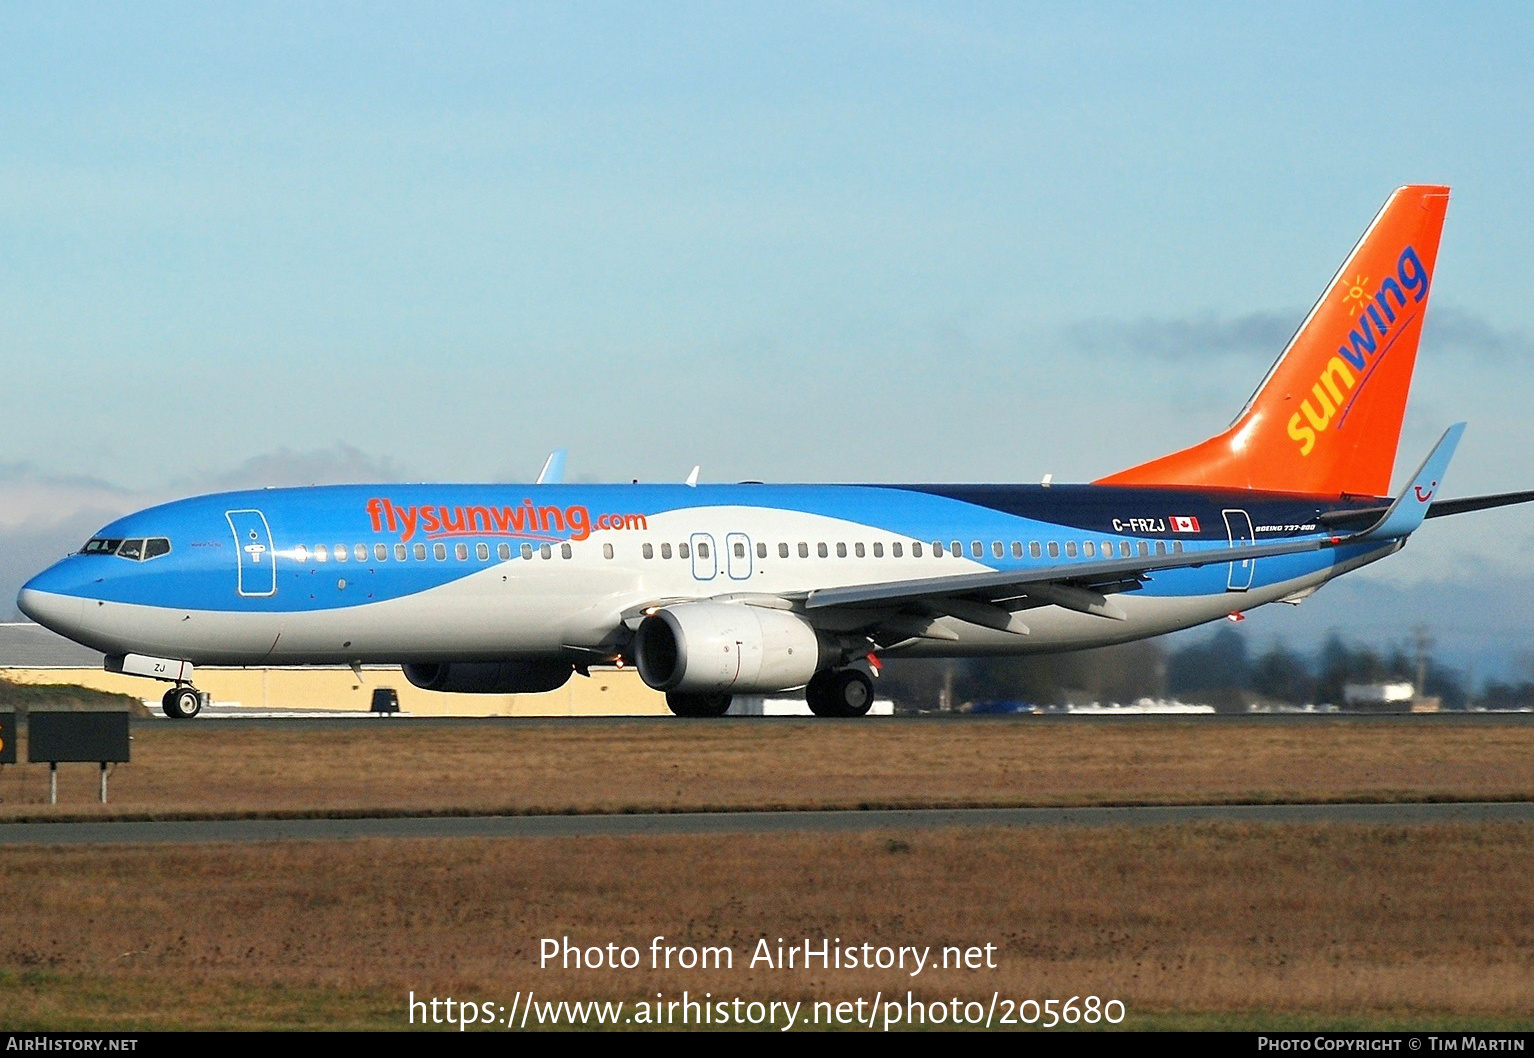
(1184, 525)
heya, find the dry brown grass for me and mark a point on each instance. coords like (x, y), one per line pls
(402, 766)
(1366, 925)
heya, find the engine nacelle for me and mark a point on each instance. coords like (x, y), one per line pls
(714, 647)
(494, 677)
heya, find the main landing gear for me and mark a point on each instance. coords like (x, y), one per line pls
(840, 692)
(698, 704)
(182, 702)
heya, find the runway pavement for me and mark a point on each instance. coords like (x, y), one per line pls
(245, 830)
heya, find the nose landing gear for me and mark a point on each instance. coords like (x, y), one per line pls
(182, 702)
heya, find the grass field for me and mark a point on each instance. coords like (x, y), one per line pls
(1190, 927)
(213, 768)
(1206, 926)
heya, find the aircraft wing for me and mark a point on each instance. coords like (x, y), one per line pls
(1466, 504)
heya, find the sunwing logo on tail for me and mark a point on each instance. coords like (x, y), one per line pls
(1379, 316)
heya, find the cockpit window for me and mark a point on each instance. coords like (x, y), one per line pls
(136, 550)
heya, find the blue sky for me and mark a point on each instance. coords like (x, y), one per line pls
(849, 241)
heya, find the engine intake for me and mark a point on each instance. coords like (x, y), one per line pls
(716, 647)
(494, 677)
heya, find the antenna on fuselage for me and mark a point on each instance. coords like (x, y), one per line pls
(692, 479)
(553, 472)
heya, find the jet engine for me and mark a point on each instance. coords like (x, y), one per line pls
(495, 677)
(711, 647)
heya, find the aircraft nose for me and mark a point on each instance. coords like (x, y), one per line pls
(40, 600)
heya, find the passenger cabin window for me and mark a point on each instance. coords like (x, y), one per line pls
(361, 552)
(804, 549)
(857, 549)
(461, 552)
(1177, 547)
(321, 553)
(820, 549)
(937, 549)
(761, 550)
(607, 551)
(878, 549)
(420, 552)
(1124, 548)
(958, 549)
(976, 548)
(782, 550)
(648, 551)
(439, 551)
(684, 551)
(1143, 548)
(545, 551)
(482, 552)
(1033, 549)
(565, 551)
(665, 551)
(527, 551)
(997, 550)
(702, 551)
(341, 555)
(400, 553)
(1070, 549)
(1017, 549)
(381, 552)
(503, 552)
(1089, 549)
(1160, 547)
(841, 550)
(1054, 549)
(301, 553)
(915, 549)
(896, 549)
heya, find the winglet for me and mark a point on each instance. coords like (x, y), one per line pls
(1411, 507)
(692, 479)
(553, 472)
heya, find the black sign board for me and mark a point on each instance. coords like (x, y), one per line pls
(77, 736)
(7, 737)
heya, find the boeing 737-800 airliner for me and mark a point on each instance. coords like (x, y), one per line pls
(717, 590)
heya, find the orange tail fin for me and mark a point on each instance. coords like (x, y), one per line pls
(1327, 418)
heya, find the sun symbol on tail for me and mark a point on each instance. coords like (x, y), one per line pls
(1357, 295)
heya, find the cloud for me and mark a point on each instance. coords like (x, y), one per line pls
(44, 517)
(1258, 335)
(1467, 332)
(340, 465)
(1263, 335)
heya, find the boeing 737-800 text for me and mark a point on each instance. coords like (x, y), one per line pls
(717, 590)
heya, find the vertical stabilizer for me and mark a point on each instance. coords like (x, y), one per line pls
(1327, 418)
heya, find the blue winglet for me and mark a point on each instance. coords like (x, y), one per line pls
(553, 472)
(1407, 512)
